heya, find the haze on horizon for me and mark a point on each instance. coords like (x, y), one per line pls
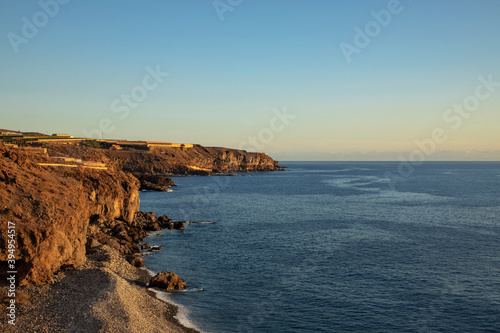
(300, 80)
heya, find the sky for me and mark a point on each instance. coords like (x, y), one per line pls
(298, 79)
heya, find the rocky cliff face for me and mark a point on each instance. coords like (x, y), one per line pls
(51, 209)
(58, 210)
(172, 161)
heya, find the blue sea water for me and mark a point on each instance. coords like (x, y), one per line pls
(336, 247)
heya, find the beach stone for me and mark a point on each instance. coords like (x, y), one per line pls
(113, 243)
(135, 261)
(102, 237)
(138, 262)
(167, 280)
(155, 248)
(145, 246)
(92, 243)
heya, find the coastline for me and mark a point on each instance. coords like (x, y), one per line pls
(107, 294)
(181, 312)
(78, 232)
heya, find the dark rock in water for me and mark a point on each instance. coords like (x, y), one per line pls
(148, 221)
(168, 281)
(178, 225)
(142, 219)
(155, 248)
(154, 182)
(51, 238)
(155, 226)
(163, 218)
(145, 246)
(165, 222)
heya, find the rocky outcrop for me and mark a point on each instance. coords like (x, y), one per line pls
(168, 281)
(154, 182)
(51, 210)
(179, 225)
(198, 160)
(135, 261)
(124, 236)
(61, 212)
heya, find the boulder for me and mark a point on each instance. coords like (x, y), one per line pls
(163, 219)
(168, 281)
(142, 219)
(102, 238)
(114, 244)
(154, 182)
(178, 225)
(145, 246)
(154, 226)
(165, 222)
(135, 261)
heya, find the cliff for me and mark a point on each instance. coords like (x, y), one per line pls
(59, 211)
(51, 209)
(170, 161)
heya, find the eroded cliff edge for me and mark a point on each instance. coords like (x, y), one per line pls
(51, 209)
(169, 161)
(58, 209)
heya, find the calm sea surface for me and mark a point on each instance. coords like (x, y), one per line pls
(336, 247)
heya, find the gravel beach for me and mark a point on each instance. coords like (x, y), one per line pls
(107, 294)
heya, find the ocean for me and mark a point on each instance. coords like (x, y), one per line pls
(336, 247)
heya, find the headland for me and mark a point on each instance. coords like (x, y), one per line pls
(73, 206)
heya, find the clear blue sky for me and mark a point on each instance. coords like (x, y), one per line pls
(227, 76)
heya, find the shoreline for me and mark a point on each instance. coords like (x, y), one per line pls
(77, 235)
(182, 312)
(106, 294)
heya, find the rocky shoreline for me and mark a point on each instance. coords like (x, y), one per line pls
(77, 232)
(106, 294)
(109, 293)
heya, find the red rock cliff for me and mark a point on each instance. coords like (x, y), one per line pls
(51, 208)
(171, 161)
